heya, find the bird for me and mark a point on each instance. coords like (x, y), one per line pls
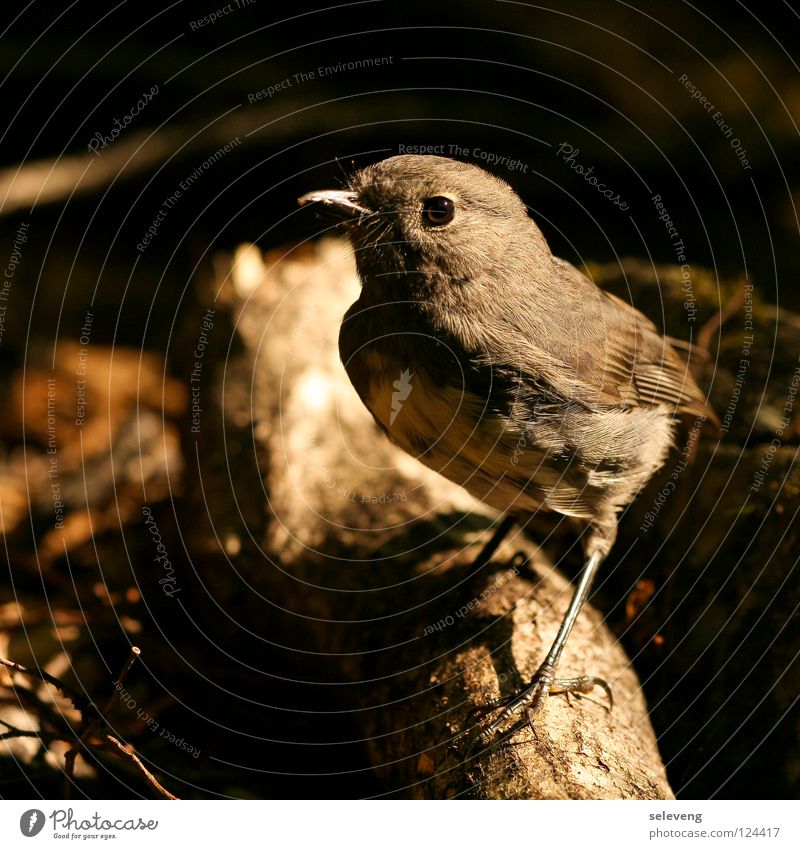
(503, 367)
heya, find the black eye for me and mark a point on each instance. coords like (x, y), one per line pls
(438, 210)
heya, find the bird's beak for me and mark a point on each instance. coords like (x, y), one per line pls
(343, 204)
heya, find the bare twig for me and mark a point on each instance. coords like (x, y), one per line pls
(135, 652)
(91, 719)
(127, 752)
(72, 753)
(17, 732)
(81, 702)
(716, 321)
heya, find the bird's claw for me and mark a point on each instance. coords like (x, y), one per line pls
(531, 700)
(582, 686)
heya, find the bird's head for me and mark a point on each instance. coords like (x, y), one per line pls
(432, 222)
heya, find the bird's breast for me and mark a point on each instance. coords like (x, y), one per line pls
(425, 417)
(449, 429)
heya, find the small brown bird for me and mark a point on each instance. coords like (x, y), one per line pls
(501, 366)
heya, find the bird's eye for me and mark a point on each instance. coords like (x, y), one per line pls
(438, 210)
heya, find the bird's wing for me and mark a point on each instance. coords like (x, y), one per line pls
(609, 354)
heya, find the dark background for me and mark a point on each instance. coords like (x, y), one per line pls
(514, 79)
(510, 78)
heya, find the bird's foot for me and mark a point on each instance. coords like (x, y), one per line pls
(529, 702)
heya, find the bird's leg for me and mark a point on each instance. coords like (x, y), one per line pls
(495, 541)
(544, 681)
